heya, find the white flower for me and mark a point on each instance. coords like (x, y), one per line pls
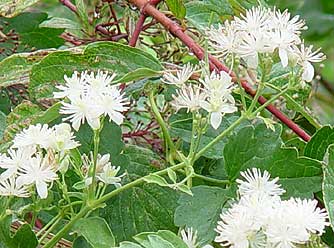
(181, 77)
(113, 104)
(109, 175)
(94, 96)
(305, 215)
(218, 106)
(189, 97)
(62, 139)
(219, 83)
(74, 86)
(80, 110)
(16, 160)
(225, 40)
(235, 229)
(189, 237)
(39, 173)
(305, 57)
(255, 20)
(33, 135)
(9, 187)
(258, 184)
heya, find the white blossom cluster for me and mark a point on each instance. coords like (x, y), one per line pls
(262, 219)
(213, 93)
(265, 32)
(33, 160)
(105, 172)
(91, 96)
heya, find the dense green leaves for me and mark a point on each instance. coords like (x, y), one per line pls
(24, 236)
(108, 56)
(161, 239)
(317, 146)
(177, 7)
(328, 185)
(96, 231)
(262, 148)
(201, 211)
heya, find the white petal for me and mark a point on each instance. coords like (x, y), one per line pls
(94, 123)
(216, 119)
(42, 189)
(308, 73)
(283, 55)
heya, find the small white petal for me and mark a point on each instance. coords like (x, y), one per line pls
(216, 119)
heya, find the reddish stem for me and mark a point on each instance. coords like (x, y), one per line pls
(140, 23)
(69, 5)
(175, 29)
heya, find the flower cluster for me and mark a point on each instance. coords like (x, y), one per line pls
(36, 155)
(90, 97)
(213, 93)
(105, 172)
(262, 219)
(262, 31)
(189, 237)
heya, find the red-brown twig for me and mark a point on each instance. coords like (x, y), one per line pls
(140, 23)
(69, 5)
(176, 30)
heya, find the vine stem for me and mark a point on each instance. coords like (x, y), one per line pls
(220, 136)
(214, 63)
(162, 124)
(91, 194)
(96, 203)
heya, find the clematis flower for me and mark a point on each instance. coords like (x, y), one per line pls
(181, 76)
(188, 97)
(9, 187)
(34, 135)
(39, 173)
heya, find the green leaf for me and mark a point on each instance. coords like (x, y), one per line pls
(2, 124)
(203, 13)
(24, 236)
(156, 179)
(201, 211)
(96, 232)
(30, 34)
(109, 56)
(16, 68)
(328, 185)
(181, 126)
(10, 8)
(82, 13)
(262, 148)
(138, 74)
(58, 22)
(177, 8)
(149, 207)
(161, 239)
(80, 242)
(317, 146)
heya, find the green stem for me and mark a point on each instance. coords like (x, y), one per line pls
(48, 225)
(47, 232)
(212, 180)
(270, 101)
(220, 136)
(92, 187)
(242, 96)
(256, 97)
(162, 125)
(54, 240)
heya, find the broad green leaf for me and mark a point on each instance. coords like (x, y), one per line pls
(137, 74)
(149, 207)
(109, 56)
(203, 13)
(80, 242)
(16, 68)
(110, 141)
(10, 8)
(201, 211)
(31, 36)
(57, 22)
(181, 126)
(161, 239)
(96, 232)
(317, 146)
(156, 179)
(262, 148)
(177, 8)
(24, 236)
(49, 115)
(328, 185)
